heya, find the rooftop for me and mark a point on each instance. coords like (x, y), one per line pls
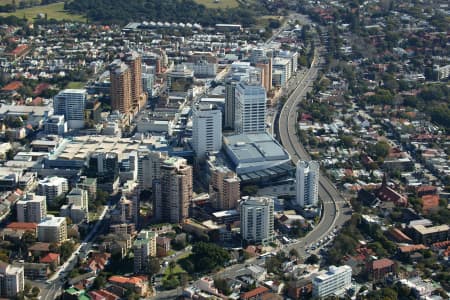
(53, 221)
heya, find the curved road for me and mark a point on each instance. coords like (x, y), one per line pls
(334, 213)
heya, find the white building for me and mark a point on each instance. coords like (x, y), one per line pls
(307, 183)
(52, 230)
(32, 209)
(283, 65)
(149, 166)
(52, 187)
(70, 103)
(206, 129)
(11, 280)
(250, 108)
(56, 124)
(77, 207)
(257, 219)
(335, 280)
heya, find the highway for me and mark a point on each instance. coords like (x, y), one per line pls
(335, 211)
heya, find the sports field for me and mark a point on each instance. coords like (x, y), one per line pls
(53, 11)
(218, 3)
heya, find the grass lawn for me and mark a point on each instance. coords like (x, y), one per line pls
(75, 85)
(217, 3)
(53, 11)
(263, 21)
(175, 271)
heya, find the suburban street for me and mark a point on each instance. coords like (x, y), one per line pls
(57, 280)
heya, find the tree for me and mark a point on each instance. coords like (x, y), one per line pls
(172, 265)
(154, 265)
(222, 286)
(66, 250)
(381, 149)
(35, 291)
(312, 259)
(294, 252)
(99, 282)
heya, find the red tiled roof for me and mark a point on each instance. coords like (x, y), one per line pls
(255, 292)
(49, 258)
(429, 202)
(19, 49)
(412, 248)
(126, 280)
(12, 86)
(426, 188)
(381, 263)
(441, 245)
(22, 226)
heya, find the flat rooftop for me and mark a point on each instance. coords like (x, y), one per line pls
(254, 152)
(81, 147)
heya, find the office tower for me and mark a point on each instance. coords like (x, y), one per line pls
(206, 129)
(120, 92)
(283, 66)
(104, 166)
(257, 220)
(138, 97)
(70, 103)
(126, 210)
(224, 188)
(144, 247)
(180, 79)
(148, 81)
(52, 230)
(230, 105)
(266, 73)
(52, 187)
(335, 280)
(257, 55)
(292, 57)
(307, 183)
(89, 185)
(173, 191)
(250, 108)
(149, 166)
(32, 209)
(12, 280)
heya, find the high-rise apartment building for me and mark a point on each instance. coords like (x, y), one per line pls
(144, 247)
(250, 108)
(206, 129)
(52, 230)
(149, 166)
(307, 183)
(332, 281)
(224, 188)
(32, 209)
(12, 280)
(173, 191)
(120, 92)
(138, 97)
(78, 202)
(52, 187)
(257, 219)
(230, 105)
(70, 103)
(104, 166)
(266, 73)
